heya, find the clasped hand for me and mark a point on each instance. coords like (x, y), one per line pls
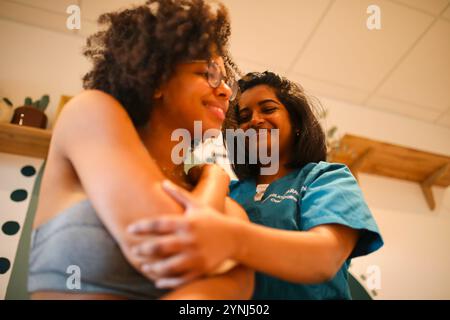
(183, 247)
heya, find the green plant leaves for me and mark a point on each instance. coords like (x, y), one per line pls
(40, 104)
(43, 103)
(331, 132)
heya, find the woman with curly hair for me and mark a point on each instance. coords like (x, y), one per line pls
(156, 68)
(309, 218)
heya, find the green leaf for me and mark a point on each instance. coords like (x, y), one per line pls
(28, 101)
(323, 113)
(44, 102)
(331, 132)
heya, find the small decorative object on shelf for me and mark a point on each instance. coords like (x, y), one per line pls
(62, 102)
(32, 113)
(6, 110)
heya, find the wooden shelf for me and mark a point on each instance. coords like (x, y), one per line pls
(389, 160)
(360, 154)
(24, 141)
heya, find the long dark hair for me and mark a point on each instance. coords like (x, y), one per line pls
(309, 139)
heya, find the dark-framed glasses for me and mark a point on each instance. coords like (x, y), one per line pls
(215, 77)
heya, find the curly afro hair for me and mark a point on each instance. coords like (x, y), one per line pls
(141, 46)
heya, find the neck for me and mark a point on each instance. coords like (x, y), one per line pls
(156, 136)
(268, 179)
(282, 171)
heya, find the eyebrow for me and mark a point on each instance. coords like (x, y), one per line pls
(267, 100)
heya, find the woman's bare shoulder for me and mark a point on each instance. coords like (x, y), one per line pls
(90, 114)
(89, 105)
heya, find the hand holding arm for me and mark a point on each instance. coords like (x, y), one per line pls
(211, 185)
(203, 239)
(194, 245)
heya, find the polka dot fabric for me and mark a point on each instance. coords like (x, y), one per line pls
(18, 175)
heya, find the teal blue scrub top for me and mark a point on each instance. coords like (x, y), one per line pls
(319, 193)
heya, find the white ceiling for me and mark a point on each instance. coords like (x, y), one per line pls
(404, 68)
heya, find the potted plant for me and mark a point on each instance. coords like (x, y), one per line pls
(32, 113)
(334, 145)
(6, 110)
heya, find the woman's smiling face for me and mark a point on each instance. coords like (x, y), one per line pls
(259, 108)
(187, 96)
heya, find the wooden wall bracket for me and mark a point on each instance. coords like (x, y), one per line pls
(358, 162)
(429, 181)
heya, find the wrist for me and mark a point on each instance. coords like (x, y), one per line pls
(215, 171)
(239, 246)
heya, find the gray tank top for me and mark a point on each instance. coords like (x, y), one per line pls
(74, 253)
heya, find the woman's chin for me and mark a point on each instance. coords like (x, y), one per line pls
(212, 124)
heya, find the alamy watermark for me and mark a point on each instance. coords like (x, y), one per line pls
(374, 20)
(372, 279)
(73, 21)
(73, 281)
(244, 147)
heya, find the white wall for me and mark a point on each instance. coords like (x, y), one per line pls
(37, 61)
(387, 127)
(414, 262)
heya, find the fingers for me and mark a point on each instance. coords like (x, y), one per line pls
(166, 224)
(170, 283)
(180, 195)
(163, 246)
(159, 225)
(171, 267)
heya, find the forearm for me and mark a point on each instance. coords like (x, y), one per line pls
(212, 188)
(119, 212)
(294, 256)
(237, 284)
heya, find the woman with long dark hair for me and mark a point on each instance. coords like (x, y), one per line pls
(309, 217)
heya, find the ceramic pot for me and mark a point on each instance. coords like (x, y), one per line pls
(29, 116)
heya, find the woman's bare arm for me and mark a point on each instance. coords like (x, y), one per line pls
(238, 283)
(118, 175)
(97, 137)
(211, 185)
(208, 238)
(308, 257)
(235, 284)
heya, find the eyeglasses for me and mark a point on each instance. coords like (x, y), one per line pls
(215, 77)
